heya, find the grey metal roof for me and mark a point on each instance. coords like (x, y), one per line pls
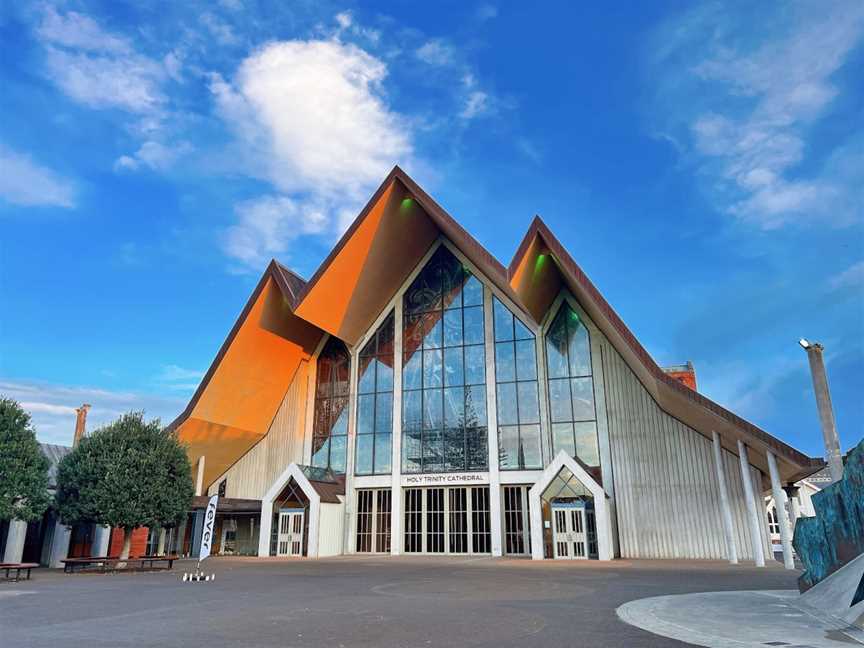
(54, 453)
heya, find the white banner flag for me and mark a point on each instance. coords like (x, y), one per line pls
(207, 531)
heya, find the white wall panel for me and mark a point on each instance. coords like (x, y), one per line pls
(667, 497)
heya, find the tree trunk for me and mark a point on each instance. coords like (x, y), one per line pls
(127, 545)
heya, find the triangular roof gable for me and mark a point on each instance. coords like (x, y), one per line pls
(691, 407)
(378, 252)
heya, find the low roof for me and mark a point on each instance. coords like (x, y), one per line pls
(365, 269)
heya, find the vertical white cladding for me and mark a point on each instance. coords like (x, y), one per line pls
(330, 529)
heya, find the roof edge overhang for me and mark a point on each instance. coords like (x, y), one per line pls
(689, 406)
(283, 278)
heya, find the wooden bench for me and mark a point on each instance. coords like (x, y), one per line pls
(69, 564)
(110, 562)
(157, 559)
(18, 567)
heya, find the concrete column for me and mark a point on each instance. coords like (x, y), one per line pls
(833, 454)
(160, 545)
(750, 501)
(794, 504)
(101, 540)
(197, 528)
(15, 541)
(396, 460)
(496, 533)
(731, 550)
(780, 507)
(181, 533)
(199, 481)
(59, 544)
(351, 441)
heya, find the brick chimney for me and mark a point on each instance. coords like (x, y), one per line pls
(685, 374)
(80, 423)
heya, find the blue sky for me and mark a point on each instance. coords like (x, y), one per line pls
(704, 163)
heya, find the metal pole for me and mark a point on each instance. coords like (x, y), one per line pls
(731, 550)
(826, 412)
(750, 502)
(780, 507)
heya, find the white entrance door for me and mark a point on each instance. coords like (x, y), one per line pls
(569, 539)
(290, 542)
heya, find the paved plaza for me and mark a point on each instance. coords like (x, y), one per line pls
(361, 601)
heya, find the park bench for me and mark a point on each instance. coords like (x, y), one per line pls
(70, 564)
(18, 567)
(157, 559)
(110, 562)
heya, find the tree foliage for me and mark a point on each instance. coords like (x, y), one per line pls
(23, 468)
(127, 474)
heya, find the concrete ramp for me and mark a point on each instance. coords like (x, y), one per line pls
(840, 595)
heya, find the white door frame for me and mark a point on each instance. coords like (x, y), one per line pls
(574, 536)
(288, 519)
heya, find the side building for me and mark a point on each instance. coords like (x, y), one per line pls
(416, 396)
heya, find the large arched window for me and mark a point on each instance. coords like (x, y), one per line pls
(516, 388)
(375, 403)
(444, 370)
(571, 387)
(330, 426)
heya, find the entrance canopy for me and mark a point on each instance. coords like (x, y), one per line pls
(317, 486)
(566, 477)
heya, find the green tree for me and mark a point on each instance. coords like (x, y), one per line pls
(127, 474)
(23, 467)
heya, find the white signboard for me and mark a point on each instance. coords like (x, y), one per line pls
(209, 523)
(447, 479)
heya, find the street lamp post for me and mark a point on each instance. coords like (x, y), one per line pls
(826, 411)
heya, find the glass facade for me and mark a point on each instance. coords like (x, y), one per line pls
(444, 423)
(571, 387)
(375, 403)
(330, 426)
(517, 403)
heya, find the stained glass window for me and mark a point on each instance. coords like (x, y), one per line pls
(444, 370)
(516, 388)
(375, 403)
(330, 426)
(571, 387)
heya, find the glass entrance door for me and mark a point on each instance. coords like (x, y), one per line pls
(290, 541)
(569, 531)
(450, 520)
(517, 535)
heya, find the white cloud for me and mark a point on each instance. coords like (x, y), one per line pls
(266, 225)
(173, 372)
(750, 98)
(313, 120)
(436, 52)
(851, 277)
(486, 12)
(475, 104)
(96, 68)
(154, 155)
(78, 31)
(127, 82)
(219, 29)
(52, 406)
(23, 182)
